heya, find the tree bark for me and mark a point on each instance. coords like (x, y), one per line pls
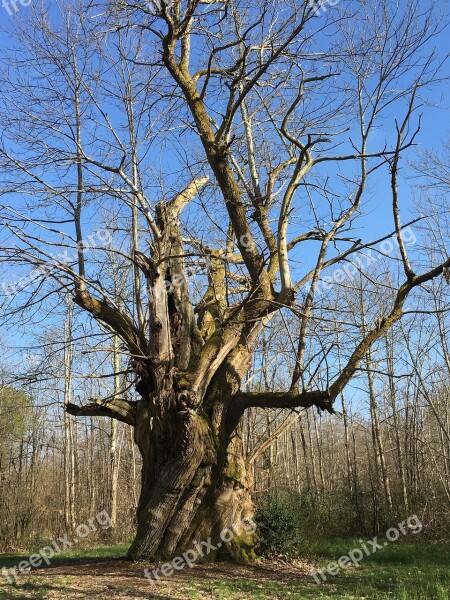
(69, 448)
(114, 455)
(195, 484)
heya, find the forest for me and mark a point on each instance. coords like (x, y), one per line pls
(224, 299)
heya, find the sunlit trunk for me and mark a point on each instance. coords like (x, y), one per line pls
(195, 485)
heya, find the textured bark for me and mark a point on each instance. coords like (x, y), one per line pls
(114, 454)
(69, 446)
(194, 485)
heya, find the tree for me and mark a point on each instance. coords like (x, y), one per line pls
(16, 421)
(256, 123)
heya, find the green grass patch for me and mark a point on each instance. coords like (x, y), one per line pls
(82, 554)
(402, 570)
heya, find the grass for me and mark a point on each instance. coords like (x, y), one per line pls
(72, 556)
(400, 571)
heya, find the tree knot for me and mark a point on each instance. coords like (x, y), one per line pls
(186, 399)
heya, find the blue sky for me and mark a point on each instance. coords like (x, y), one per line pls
(378, 219)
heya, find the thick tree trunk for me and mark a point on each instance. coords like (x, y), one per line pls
(195, 484)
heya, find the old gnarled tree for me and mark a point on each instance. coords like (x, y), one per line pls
(266, 111)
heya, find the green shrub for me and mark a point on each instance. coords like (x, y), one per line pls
(278, 527)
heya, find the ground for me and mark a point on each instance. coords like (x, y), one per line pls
(403, 571)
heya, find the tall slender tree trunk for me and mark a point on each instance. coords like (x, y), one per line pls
(320, 453)
(113, 453)
(133, 480)
(69, 451)
(348, 462)
(376, 435)
(315, 487)
(393, 404)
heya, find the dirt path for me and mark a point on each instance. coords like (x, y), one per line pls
(121, 580)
